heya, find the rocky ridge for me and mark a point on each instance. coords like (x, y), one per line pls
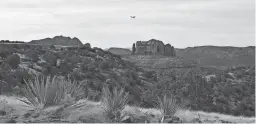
(58, 40)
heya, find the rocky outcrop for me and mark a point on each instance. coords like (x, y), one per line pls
(154, 47)
(87, 45)
(58, 40)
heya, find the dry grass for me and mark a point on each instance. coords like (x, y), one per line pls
(237, 119)
(16, 104)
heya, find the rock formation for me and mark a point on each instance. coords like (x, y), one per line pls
(154, 47)
(58, 40)
(88, 45)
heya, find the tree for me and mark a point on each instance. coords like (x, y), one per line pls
(133, 48)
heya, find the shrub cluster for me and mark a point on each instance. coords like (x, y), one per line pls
(12, 60)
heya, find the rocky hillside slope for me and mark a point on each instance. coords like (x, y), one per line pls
(219, 56)
(119, 51)
(58, 40)
(92, 66)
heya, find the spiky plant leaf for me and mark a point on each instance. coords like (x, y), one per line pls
(50, 91)
(114, 102)
(167, 105)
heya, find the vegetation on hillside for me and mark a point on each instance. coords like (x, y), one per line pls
(229, 91)
(223, 93)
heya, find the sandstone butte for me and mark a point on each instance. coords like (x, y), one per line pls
(153, 47)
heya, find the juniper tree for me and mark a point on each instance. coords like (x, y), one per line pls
(133, 48)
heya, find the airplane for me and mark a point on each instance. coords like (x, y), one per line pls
(132, 16)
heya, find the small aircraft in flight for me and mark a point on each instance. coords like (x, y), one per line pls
(133, 17)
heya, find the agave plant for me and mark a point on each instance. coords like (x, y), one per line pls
(50, 91)
(168, 106)
(114, 103)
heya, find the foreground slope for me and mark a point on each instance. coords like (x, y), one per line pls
(94, 114)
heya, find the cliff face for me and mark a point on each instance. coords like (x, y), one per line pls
(58, 40)
(154, 47)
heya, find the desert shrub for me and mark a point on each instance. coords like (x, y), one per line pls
(135, 95)
(49, 91)
(5, 66)
(50, 58)
(130, 73)
(52, 47)
(6, 51)
(66, 67)
(92, 50)
(101, 77)
(89, 75)
(74, 59)
(8, 80)
(33, 55)
(87, 61)
(13, 60)
(104, 65)
(114, 102)
(50, 70)
(149, 74)
(148, 99)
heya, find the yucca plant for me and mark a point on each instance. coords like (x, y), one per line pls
(50, 91)
(168, 106)
(114, 103)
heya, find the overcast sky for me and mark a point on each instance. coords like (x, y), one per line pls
(107, 23)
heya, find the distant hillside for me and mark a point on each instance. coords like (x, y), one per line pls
(219, 56)
(8, 41)
(119, 51)
(58, 40)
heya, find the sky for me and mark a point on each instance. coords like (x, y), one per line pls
(107, 23)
